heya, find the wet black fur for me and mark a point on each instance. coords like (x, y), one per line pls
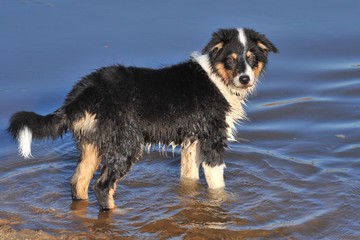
(135, 106)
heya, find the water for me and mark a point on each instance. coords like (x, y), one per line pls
(294, 173)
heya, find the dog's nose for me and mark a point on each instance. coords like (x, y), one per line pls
(244, 79)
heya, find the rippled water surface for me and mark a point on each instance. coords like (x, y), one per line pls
(294, 174)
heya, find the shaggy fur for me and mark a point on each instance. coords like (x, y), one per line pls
(115, 111)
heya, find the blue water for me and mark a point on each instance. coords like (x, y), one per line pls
(293, 174)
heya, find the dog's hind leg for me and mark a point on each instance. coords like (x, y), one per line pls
(190, 161)
(87, 166)
(105, 186)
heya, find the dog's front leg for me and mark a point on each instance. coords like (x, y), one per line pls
(214, 175)
(213, 163)
(190, 161)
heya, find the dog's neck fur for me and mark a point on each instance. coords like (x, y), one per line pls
(235, 101)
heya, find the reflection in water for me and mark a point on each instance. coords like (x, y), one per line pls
(287, 102)
(197, 210)
(79, 207)
(194, 208)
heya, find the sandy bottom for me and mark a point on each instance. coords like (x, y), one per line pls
(7, 232)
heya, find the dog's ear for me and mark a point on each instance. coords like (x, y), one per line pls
(266, 45)
(262, 42)
(216, 43)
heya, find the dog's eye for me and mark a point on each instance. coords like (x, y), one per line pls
(229, 60)
(251, 57)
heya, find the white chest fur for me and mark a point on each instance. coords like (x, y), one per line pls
(235, 101)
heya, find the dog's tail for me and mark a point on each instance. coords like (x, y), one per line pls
(26, 126)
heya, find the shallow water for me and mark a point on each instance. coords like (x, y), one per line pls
(294, 173)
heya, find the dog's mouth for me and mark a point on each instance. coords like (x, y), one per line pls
(241, 91)
(249, 85)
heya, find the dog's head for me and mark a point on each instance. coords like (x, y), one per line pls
(238, 56)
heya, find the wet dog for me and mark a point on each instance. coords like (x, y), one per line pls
(116, 111)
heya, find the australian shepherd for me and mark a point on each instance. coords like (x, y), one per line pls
(114, 112)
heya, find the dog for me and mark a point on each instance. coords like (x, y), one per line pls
(114, 112)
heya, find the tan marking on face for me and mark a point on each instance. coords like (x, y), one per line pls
(234, 56)
(85, 124)
(89, 163)
(248, 54)
(258, 69)
(226, 74)
(230, 73)
(220, 67)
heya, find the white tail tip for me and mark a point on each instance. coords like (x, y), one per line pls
(24, 141)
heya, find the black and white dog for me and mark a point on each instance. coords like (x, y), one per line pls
(116, 111)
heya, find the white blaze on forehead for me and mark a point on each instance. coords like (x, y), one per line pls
(242, 36)
(248, 71)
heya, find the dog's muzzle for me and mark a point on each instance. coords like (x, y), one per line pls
(243, 81)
